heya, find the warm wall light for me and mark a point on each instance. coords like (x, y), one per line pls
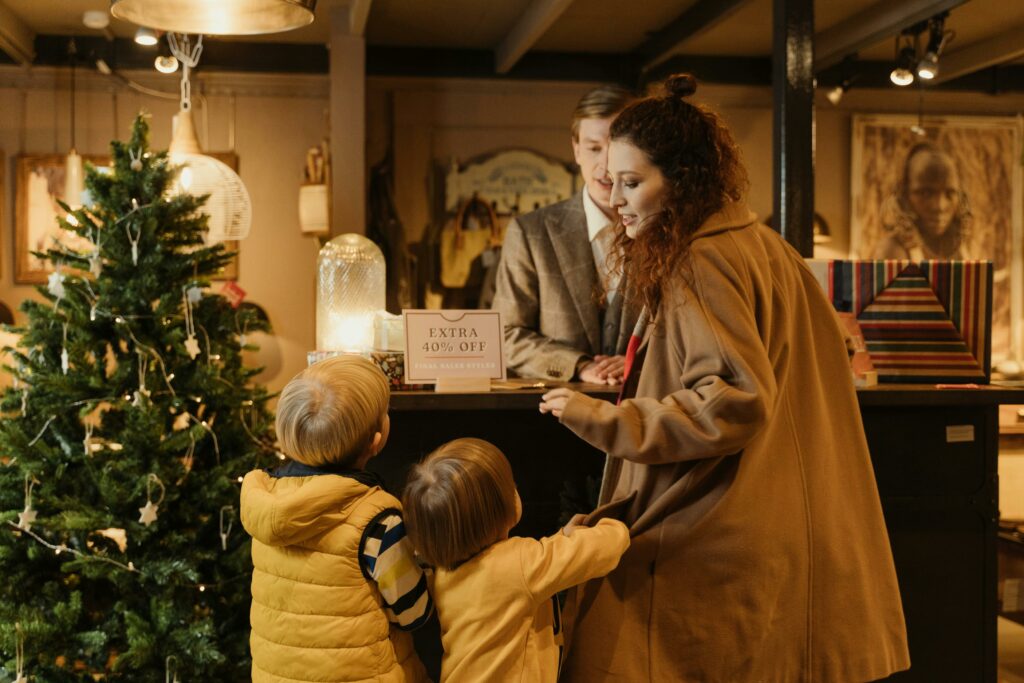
(146, 37)
(224, 17)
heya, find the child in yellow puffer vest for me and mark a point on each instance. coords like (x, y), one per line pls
(335, 586)
(495, 595)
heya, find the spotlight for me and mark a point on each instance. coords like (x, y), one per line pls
(903, 74)
(96, 19)
(166, 64)
(146, 36)
(835, 95)
(928, 67)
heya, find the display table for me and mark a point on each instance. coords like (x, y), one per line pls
(934, 453)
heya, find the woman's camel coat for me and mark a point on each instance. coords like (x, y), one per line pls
(759, 551)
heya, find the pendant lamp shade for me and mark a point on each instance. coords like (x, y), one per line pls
(229, 207)
(74, 179)
(223, 17)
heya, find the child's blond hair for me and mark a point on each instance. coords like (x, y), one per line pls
(458, 501)
(329, 412)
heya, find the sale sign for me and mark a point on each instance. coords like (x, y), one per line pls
(453, 344)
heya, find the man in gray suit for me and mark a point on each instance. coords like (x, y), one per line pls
(565, 312)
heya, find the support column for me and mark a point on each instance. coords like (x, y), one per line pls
(348, 125)
(793, 121)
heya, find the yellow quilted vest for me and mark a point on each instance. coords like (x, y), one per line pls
(315, 616)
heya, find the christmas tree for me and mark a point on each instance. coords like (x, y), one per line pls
(125, 435)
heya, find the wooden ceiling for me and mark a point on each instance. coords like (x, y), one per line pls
(571, 38)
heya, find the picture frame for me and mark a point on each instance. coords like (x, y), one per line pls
(39, 184)
(948, 188)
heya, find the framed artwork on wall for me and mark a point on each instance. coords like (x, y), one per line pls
(944, 188)
(39, 185)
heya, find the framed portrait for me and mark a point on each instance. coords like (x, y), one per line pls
(39, 185)
(944, 188)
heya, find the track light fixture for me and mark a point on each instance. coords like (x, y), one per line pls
(928, 67)
(146, 37)
(903, 73)
(835, 95)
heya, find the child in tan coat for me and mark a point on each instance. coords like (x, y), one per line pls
(495, 595)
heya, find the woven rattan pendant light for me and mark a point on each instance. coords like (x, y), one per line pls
(229, 207)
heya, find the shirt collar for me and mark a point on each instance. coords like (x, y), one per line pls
(596, 219)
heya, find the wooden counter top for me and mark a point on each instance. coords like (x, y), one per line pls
(520, 394)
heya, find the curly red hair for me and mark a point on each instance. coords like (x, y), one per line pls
(701, 164)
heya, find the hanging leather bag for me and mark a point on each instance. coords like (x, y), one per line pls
(461, 248)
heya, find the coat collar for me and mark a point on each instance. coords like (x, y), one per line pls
(732, 216)
(567, 230)
(293, 468)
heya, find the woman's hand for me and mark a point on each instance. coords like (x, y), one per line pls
(554, 401)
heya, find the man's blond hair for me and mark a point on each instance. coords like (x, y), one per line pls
(603, 102)
(458, 501)
(329, 412)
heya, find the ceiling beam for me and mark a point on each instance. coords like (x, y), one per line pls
(696, 19)
(16, 38)
(1002, 48)
(358, 13)
(876, 23)
(534, 22)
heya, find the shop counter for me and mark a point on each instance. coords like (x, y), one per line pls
(934, 452)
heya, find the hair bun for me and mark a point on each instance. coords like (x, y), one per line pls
(681, 85)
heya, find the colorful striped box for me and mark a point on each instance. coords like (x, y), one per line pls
(925, 321)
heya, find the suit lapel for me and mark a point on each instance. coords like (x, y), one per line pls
(571, 244)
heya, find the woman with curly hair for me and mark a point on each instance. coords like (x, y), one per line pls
(929, 216)
(736, 453)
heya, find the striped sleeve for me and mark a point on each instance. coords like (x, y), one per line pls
(386, 557)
